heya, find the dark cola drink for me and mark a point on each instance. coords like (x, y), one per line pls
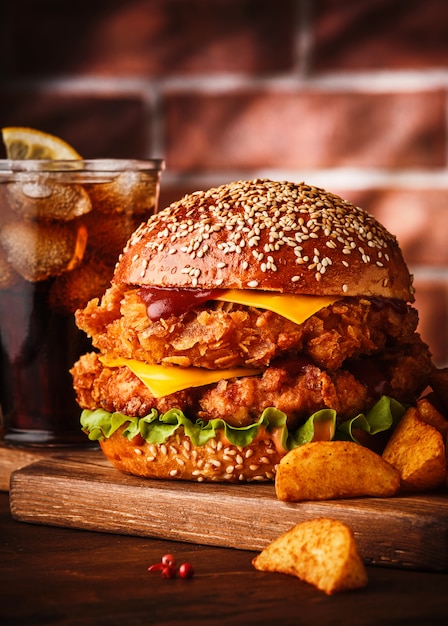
(62, 228)
(38, 348)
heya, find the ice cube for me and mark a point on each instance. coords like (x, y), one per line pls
(41, 199)
(38, 250)
(72, 290)
(108, 234)
(129, 192)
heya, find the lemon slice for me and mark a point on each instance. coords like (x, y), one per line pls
(28, 143)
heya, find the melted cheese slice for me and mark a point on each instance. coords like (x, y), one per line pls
(294, 308)
(163, 380)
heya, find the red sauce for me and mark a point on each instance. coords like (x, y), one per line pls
(162, 303)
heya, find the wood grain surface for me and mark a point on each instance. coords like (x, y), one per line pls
(84, 491)
(12, 459)
(70, 577)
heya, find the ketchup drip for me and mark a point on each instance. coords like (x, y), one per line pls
(162, 303)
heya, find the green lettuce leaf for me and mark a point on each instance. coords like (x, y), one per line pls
(321, 421)
(157, 428)
(384, 415)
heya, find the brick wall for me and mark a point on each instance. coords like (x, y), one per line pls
(350, 95)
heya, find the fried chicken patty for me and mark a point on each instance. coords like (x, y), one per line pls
(220, 335)
(343, 357)
(296, 387)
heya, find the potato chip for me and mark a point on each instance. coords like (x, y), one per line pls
(323, 470)
(429, 414)
(416, 449)
(321, 552)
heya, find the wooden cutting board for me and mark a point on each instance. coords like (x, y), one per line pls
(84, 491)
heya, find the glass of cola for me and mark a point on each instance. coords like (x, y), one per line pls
(63, 225)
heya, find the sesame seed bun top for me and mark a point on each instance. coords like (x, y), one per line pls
(266, 235)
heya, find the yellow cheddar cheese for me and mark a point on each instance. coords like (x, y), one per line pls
(294, 307)
(163, 380)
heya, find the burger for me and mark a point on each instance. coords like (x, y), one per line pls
(245, 320)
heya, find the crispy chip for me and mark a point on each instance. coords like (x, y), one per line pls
(416, 449)
(321, 552)
(429, 414)
(323, 470)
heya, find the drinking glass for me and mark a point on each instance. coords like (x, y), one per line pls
(63, 225)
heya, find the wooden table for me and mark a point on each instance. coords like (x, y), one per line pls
(60, 576)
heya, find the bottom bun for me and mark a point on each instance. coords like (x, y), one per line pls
(179, 459)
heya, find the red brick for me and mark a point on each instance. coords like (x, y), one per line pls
(103, 126)
(305, 130)
(150, 37)
(380, 34)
